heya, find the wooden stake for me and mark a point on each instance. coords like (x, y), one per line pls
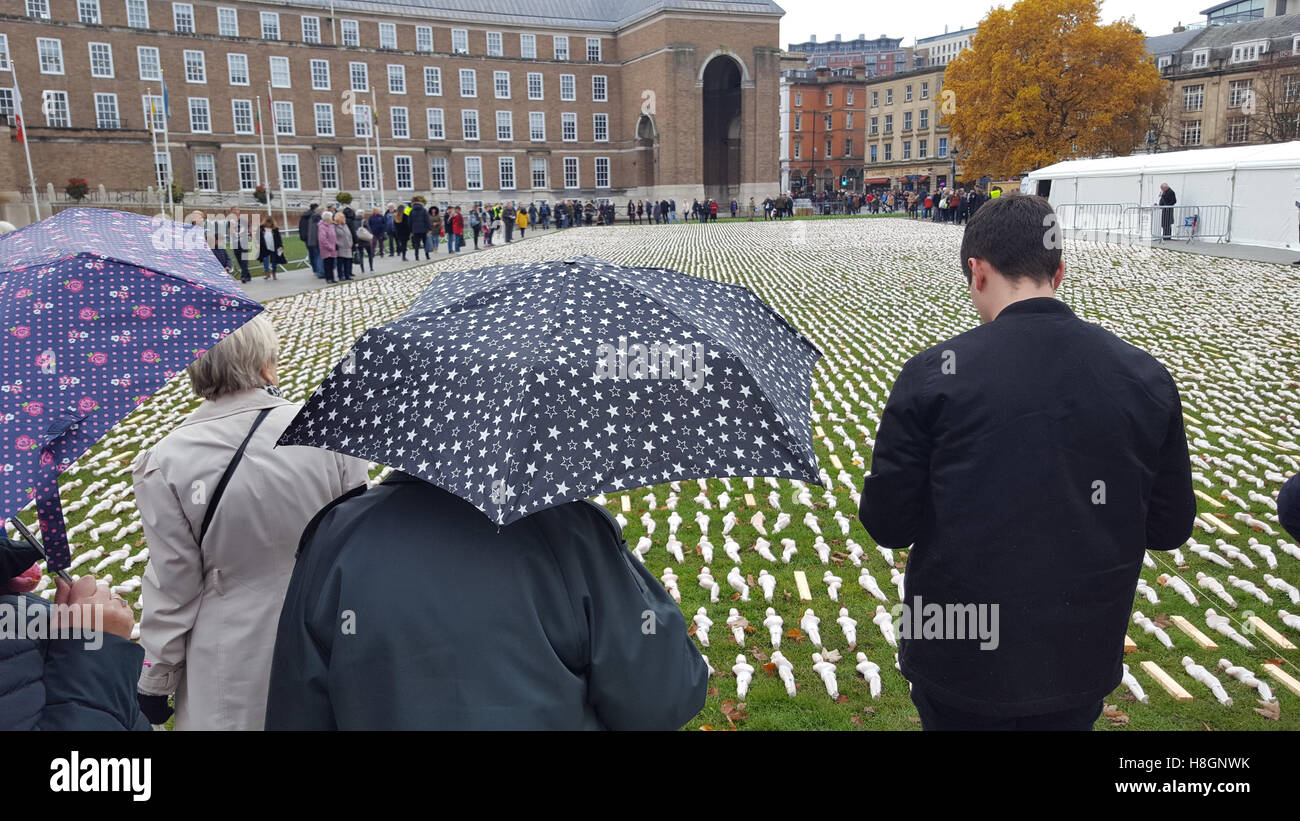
(1274, 636)
(1284, 678)
(1130, 646)
(835, 461)
(1200, 494)
(801, 582)
(1261, 434)
(749, 500)
(1166, 681)
(1203, 641)
(821, 434)
(627, 505)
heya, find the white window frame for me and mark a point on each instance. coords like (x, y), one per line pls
(560, 47)
(201, 105)
(537, 126)
(501, 85)
(107, 50)
(433, 81)
(435, 123)
(594, 48)
(506, 126)
(496, 44)
(323, 177)
(196, 66)
(177, 10)
(599, 83)
(364, 77)
(227, 21)
(137, 14)
(88, 12)
(38, 9)
(363, 121)
(270, 25)
(568, 126)
(205, 163)
(473, 173)
(528, 46)
(388, 36)
(310, 32)
(237, 62)
(58, 113)
(56, 55)
(291, 181)
(235, 106)
(367, 170)
(400, 160)
(469, 117)
(567, 163)
(568, 88)
(158, 118)
(285, 124)
(320, 80)
(286, 76)
(1201, 58)
(536, 85)
(350, 33)
(106, 105)
(1248, 51)
(472, 85)
(460, 41)
(424, 38)
(247, 161)
(535, 164)
(608, 172)
(504, 163)
(599, 122)
(437, 169)
(399, 75)
(400, 113)
(327, 121)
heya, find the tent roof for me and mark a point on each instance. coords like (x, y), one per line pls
(1273, 155)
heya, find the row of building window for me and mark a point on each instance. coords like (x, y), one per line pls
(148, 59)
(269, 28)
(245, 119)
(403, 179)
(923, 116)
(922, 150)
(875, 95)
(1240, 93)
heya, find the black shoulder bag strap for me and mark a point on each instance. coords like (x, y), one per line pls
(225, 477)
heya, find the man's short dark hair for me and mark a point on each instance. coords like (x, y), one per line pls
(315, 205)
(1017, 234)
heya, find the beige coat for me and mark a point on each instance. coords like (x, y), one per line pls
(208, 623)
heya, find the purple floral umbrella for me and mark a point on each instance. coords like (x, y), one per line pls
(98, 309)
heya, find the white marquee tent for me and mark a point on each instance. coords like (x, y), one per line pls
(1261, 183)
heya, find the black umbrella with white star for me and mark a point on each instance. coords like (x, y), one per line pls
(521, 387)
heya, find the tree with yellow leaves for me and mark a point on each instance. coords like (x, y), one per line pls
(1044, 81)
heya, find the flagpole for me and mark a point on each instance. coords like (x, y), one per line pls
(261, 135)
(22, 128)
(279, 167)
(379, 149)
(167, 146)
(153, 136)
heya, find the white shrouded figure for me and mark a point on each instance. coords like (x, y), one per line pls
(707, 582)
(886, 554)
(728, 521)
(702, 624)
(1152, 628)
(1143, 589)
(823, 550)
(703, 501)
(811, 625)
(1223, 626)
(871, 672)
(1283, 586)
(768, 583)
(732, 548)
(855, 552)
(1180, 586)
(724, 501)
(737, 623)
(642, 548)
(702, 521)
(896, 576)
(774, 500)
(843, 522)
(787, 550)
(1249, 588)
(1207, 678)
(883, 620)
(1247, 678)
(707, 664)
(744, 674)
(833, 584)
(756, 522)
(849, 626)
(706, 549)
(1216, 587)
(1289, 619)
(674, 547)
(764, 548)
(868, 582)
(674, 522)
(737, 583)
(810, 522)
(1131, 682)
(826, 670)
(650, 501)
(774, 624)
(785, 670)
(670, 584)
(782, 521)
(648, 523)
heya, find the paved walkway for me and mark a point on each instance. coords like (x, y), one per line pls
(289, 283)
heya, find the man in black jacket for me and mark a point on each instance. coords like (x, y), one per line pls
(1029, 463)
(410, 609)
(1167, 201)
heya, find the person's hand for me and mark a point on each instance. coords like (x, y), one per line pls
(155, 708)
(86, 596)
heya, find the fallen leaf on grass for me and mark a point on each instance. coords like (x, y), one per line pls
(871, 711)
(713, 691)
(795, 634)
(842, 699)
(1161, 620)
(856, 719)
(691, 628)
(1271, 710)
(831, 655)
(914, 719)
(1116, 716)
(770, 668)
(733, 712)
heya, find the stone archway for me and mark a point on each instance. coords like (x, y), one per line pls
(722, 136)
(647, 142)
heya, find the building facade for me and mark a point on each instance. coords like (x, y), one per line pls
(462, 99)
(941, 48)
(880, 56)
(907, 145)
(825, 125)
(1231, 84)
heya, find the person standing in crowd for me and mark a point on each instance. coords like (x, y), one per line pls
(219, 565)
(508, 219)
(456, 238)
(307, 233)
(240, 241)
(378, 226)
(327, 240)
(672, 211)
(631, 211)
(735, 207)
(475, 224)
(421, 224)
(364, 245)
(437, 230)
(521, 222)
(1166, 202)
(401, 231)
(545, 213)
(510, 609)
(713, 210)
(343, 247)
(640, 211)
(390, 215)
(1029, 482)
(270, 248)
(533, 214)
(213, 235)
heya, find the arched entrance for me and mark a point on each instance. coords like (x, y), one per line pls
(647, 141)
(722, 132)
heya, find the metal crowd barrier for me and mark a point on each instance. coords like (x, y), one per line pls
(1125, 222)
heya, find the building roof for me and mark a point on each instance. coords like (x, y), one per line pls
(1163, 44)
(594, 14)
(947, 35)
(1272, 155)
(1263, 28)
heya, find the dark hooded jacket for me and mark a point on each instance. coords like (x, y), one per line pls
(408, 608)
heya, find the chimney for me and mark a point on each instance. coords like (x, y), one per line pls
(812, 39)
(837, 38)
(862, 36)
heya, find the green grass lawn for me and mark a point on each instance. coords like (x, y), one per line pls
(870, 294)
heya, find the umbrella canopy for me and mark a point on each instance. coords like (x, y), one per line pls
(520, 387)
(98, 309)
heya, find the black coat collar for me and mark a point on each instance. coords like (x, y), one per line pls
(1036, 305)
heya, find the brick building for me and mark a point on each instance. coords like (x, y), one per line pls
(879, 56)
(471, 99)
(826, 130)
(906, 145)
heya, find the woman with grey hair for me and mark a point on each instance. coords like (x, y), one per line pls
(223, 510)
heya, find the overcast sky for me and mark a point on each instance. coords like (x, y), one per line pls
(826, 18)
